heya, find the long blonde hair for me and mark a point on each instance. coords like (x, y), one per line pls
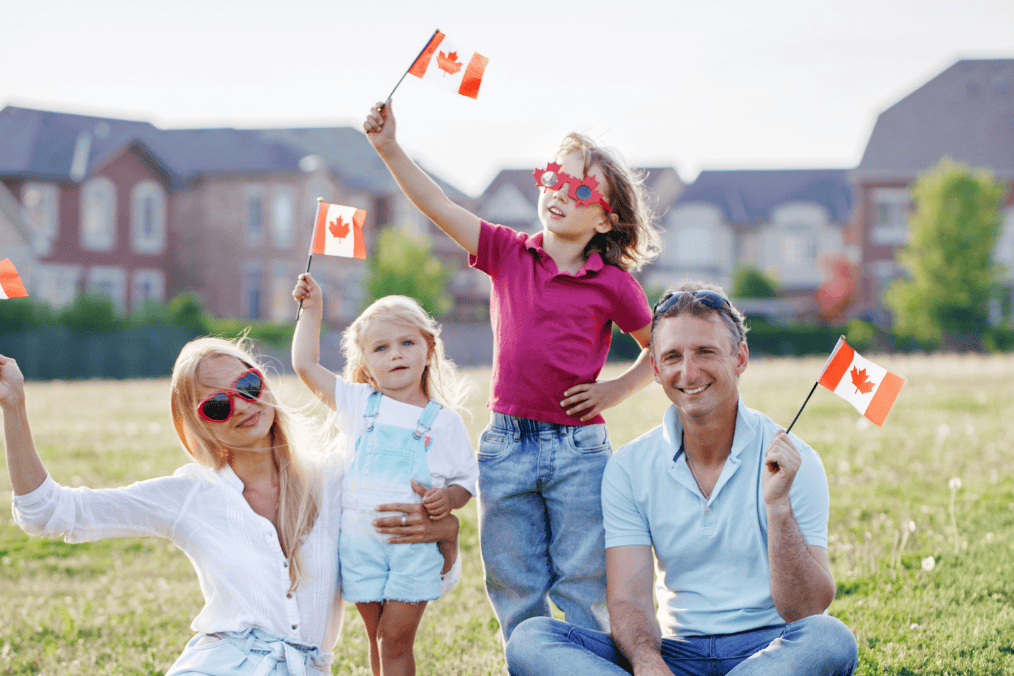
(440, 380)
(298, 489)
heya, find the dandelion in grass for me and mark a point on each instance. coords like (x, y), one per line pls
(929, 563)
(955, 485)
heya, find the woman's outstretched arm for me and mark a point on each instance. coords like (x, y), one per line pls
(23, 462)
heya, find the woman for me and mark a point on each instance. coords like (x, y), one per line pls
(256, 514)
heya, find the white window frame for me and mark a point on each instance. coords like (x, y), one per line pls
(895, 232)
(254, 228)
(110, 281)
(98, 215)
(252, 270)
(146, 279)
(155, 241)
(283, 217)
(40, 210)
(283, 279)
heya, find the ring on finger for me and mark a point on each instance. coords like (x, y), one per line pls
(404, 519)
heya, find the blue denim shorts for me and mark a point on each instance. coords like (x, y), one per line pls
(253, 652)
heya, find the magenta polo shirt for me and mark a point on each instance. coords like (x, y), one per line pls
(551, 329)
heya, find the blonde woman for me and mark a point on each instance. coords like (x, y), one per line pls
(255, 513)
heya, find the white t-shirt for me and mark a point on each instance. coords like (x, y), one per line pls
(449, 455)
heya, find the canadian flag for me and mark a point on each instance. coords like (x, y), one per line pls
(339, 231)
(450, 66)
(11, 285)
(868, 387)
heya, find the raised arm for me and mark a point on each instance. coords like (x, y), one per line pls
(801, 581)
(306, 340)
(23, 462)
(421, 190)
(629, 576)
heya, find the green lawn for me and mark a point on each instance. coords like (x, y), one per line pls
(925, 567)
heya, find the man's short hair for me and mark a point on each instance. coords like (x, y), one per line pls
(689, 301)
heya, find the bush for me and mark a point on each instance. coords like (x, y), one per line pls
(91, 313)
(751, 282)
(25, 313)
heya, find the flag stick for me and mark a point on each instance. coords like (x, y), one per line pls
(300, 310)
(802, 407)
(425, 47)
(320, 201)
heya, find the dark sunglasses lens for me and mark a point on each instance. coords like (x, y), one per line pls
(548, 179)
(583, 192)
(217, 407)
(715, 300)
(249, 386)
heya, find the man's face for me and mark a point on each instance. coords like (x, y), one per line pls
(696, 365)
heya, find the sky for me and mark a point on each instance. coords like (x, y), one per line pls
(701, 84)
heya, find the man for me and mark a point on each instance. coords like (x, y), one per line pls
(736, 511)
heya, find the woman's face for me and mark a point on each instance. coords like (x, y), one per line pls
(249, 426)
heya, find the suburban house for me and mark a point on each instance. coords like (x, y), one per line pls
(786, 222)
(966, 113)
(140, 213)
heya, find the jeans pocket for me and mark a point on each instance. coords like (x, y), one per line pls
(493, 444)
(591, 439)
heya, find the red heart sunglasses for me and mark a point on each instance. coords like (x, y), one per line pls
(218, 407)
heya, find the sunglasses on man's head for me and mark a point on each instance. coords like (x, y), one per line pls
(218, 407)
(582, 191)
(706, 296)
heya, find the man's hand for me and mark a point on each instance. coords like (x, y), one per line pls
(781, 462)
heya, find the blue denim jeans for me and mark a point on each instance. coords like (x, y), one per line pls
(540, 520)
(818, 645)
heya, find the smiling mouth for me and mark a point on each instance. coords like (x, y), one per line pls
(252, 420)
(555, 211)
(696, 390)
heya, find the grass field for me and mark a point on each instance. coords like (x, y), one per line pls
(921, 530)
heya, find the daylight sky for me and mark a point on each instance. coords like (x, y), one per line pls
(692, 84)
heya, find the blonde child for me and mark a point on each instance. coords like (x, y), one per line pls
(395, 405)
(554, 299)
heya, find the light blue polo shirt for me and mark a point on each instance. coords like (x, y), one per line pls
(712, 557)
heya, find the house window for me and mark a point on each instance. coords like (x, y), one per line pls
(693, 245)
(282, 217)
(110, 282)
(254, 216)
(147, 217)
(253, 289)
(39, 210)
(351, 291)
(799, 246)
(282, 306)
(890, 216)
(148, 286)
(55, 283)
(98, 215)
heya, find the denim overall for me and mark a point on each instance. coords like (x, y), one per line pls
(386, 459)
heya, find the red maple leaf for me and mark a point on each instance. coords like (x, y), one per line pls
(859, 379)
(448, 62)
(339, 228)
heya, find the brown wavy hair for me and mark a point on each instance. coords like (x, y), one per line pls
(634, 238)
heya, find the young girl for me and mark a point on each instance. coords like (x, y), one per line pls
(555, 297)
(401, 438)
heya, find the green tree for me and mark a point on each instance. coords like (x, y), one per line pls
(91, 312)
(750, 282)
(949, 256)
(407, 267)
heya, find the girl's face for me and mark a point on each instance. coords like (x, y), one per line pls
(396, 355)
(562, 216)
(249, 426)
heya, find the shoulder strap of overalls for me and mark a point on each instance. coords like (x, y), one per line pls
(429, 414)
(372, 409)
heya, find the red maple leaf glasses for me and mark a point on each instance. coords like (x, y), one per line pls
(582, 191)
(218, 407)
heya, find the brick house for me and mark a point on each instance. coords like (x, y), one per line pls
(139, 213)
(966, 112)
(783, 221)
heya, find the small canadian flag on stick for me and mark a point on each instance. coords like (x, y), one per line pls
(338, 231)
(868, 387)
(450, 66)
(11, 285)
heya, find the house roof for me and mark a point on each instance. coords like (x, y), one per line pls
(751, 195)
(966, 112)
(52, 145)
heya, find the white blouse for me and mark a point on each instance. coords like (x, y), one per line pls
(243, 573)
